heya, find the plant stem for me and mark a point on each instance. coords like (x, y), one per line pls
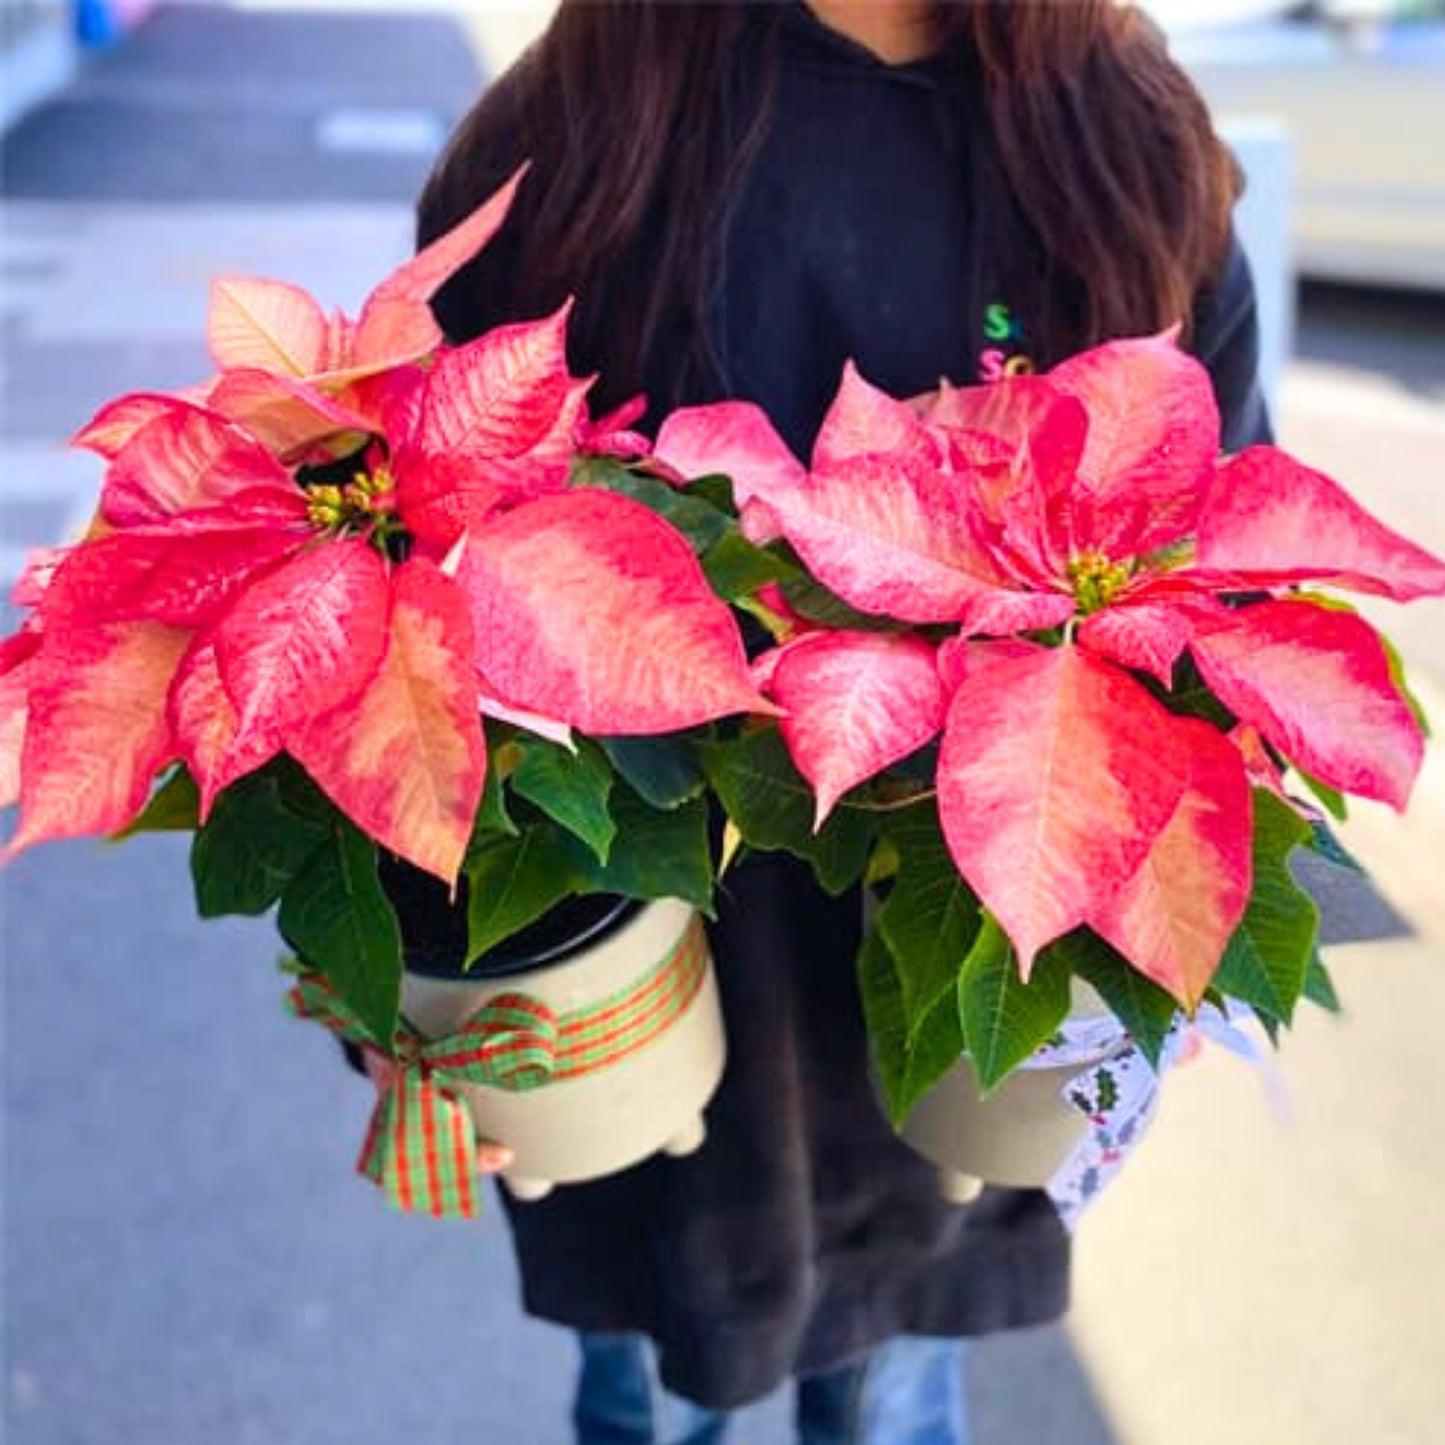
(895, 806)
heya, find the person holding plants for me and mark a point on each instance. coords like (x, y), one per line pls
(742, 197)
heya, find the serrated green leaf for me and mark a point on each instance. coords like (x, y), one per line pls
(908, 1061)
(336, 916)
(572, 788)
(251, 847)
(772, 806)
(658, 853)
(1319, 987)
(1265, 962)
(663, 771)
(512, 882)
(174, 807)
(930, 918)
(1145, 1009)
(1004, 1019)
(927, 924)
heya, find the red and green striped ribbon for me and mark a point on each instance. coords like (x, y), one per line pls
(420, 1146)
(606, 1032)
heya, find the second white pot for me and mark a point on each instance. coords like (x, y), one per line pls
(1019, 1135)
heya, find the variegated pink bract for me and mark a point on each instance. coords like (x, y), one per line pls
(493, 425)
(591, 609)
(276, 598)
(266, 336)
(245, 594)
(295, 375)
(853, 702)
(1086, 509)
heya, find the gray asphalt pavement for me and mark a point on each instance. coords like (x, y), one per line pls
(188, 1257)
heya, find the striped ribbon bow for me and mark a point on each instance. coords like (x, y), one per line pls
(420, 1146)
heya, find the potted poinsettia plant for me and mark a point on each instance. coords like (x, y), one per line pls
(351, 610)
(1068, 663)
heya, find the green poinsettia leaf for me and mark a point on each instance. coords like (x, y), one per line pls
(512, 882)
(930, 918)
(771, 805)
(255, 842)
(1266, 961)
(599, 471)
(174, 807)
(926, 926)
(492, 815)
(695, 517)
(883, 863)
(663, 771)
(1190, 697)
(1005, 1019)
(1143, 1008)
(908, 1060)
(810, 599)
(658, 853)
(572, 788)
(336, 917)
(715, 488)
(1319, 986)
(300, 794)
(734, 567)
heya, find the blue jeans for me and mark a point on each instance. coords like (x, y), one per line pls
(907, 1392)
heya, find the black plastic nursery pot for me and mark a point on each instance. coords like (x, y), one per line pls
(434, 927)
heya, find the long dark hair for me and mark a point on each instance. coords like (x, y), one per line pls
(1117, 191)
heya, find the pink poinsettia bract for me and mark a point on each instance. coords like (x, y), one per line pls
(1072, 537)
(244, 594)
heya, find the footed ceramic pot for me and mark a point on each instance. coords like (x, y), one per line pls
(634, 1038)
(1019, 1135)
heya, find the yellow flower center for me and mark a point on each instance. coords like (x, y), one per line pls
(1097, 581)
(355, 505)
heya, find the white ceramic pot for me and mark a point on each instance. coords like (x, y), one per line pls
(594, 1118)
(1018, 1136)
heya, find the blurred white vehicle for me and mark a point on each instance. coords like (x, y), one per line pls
(1360, 84)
